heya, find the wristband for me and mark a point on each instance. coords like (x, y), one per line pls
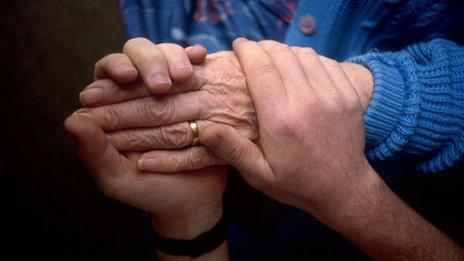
(202, 244)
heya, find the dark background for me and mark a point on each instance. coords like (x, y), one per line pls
(49, 205)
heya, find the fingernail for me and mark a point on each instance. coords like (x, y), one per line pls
(145, 164)
(159, 79)
(91, 96)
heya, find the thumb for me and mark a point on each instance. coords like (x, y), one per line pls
(238, 151)
(98, 154)
(196, 54)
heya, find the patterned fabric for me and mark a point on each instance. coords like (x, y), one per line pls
(212, 23)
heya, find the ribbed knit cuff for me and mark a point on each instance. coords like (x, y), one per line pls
(387, 101)
(417, 104)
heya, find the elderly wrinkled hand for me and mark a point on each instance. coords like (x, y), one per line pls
(137, 121)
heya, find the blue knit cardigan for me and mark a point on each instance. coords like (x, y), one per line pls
(413, 48)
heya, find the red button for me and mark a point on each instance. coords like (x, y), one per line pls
(307, 24)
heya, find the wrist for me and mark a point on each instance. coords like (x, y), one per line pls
(191, 224)
(361, 207)
(346, 207)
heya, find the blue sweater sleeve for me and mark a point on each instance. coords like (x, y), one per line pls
(417, 105)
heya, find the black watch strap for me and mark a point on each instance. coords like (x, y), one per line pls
(202, 244)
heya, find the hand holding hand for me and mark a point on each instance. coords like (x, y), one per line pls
(310, 150)
(218, 94)
(215, 93)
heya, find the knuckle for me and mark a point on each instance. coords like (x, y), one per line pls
(313, 104)
(276, 48)
(174, 137)
(132, 43)
(332, 66)
(307, 51)
(155, 111)
(329, 62)
(145, 113)
(334, 102)
(131, 140)
(111, 117)
(162, 112)
(175, 163)
(196, 159)
(352, 102)
(212, 138)
(236, 154)
(267, 43)
(171, 47)
(288, 126)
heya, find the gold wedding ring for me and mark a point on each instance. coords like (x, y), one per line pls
(195, 132)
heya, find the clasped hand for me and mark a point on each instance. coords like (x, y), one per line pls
(288, 119)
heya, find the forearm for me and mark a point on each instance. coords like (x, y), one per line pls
(377, 220)
(383, 226)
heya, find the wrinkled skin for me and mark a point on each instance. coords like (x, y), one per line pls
(217, 93)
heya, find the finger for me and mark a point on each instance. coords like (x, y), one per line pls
(289, 67)
(314, 70)
(179, 64)
(170, 161)
(94, 149)
(150, 63)
(103, 92)
(227, 144)
(263, 79)
(197, 54)
(115, 66)
(147, 112)
(173, 136)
